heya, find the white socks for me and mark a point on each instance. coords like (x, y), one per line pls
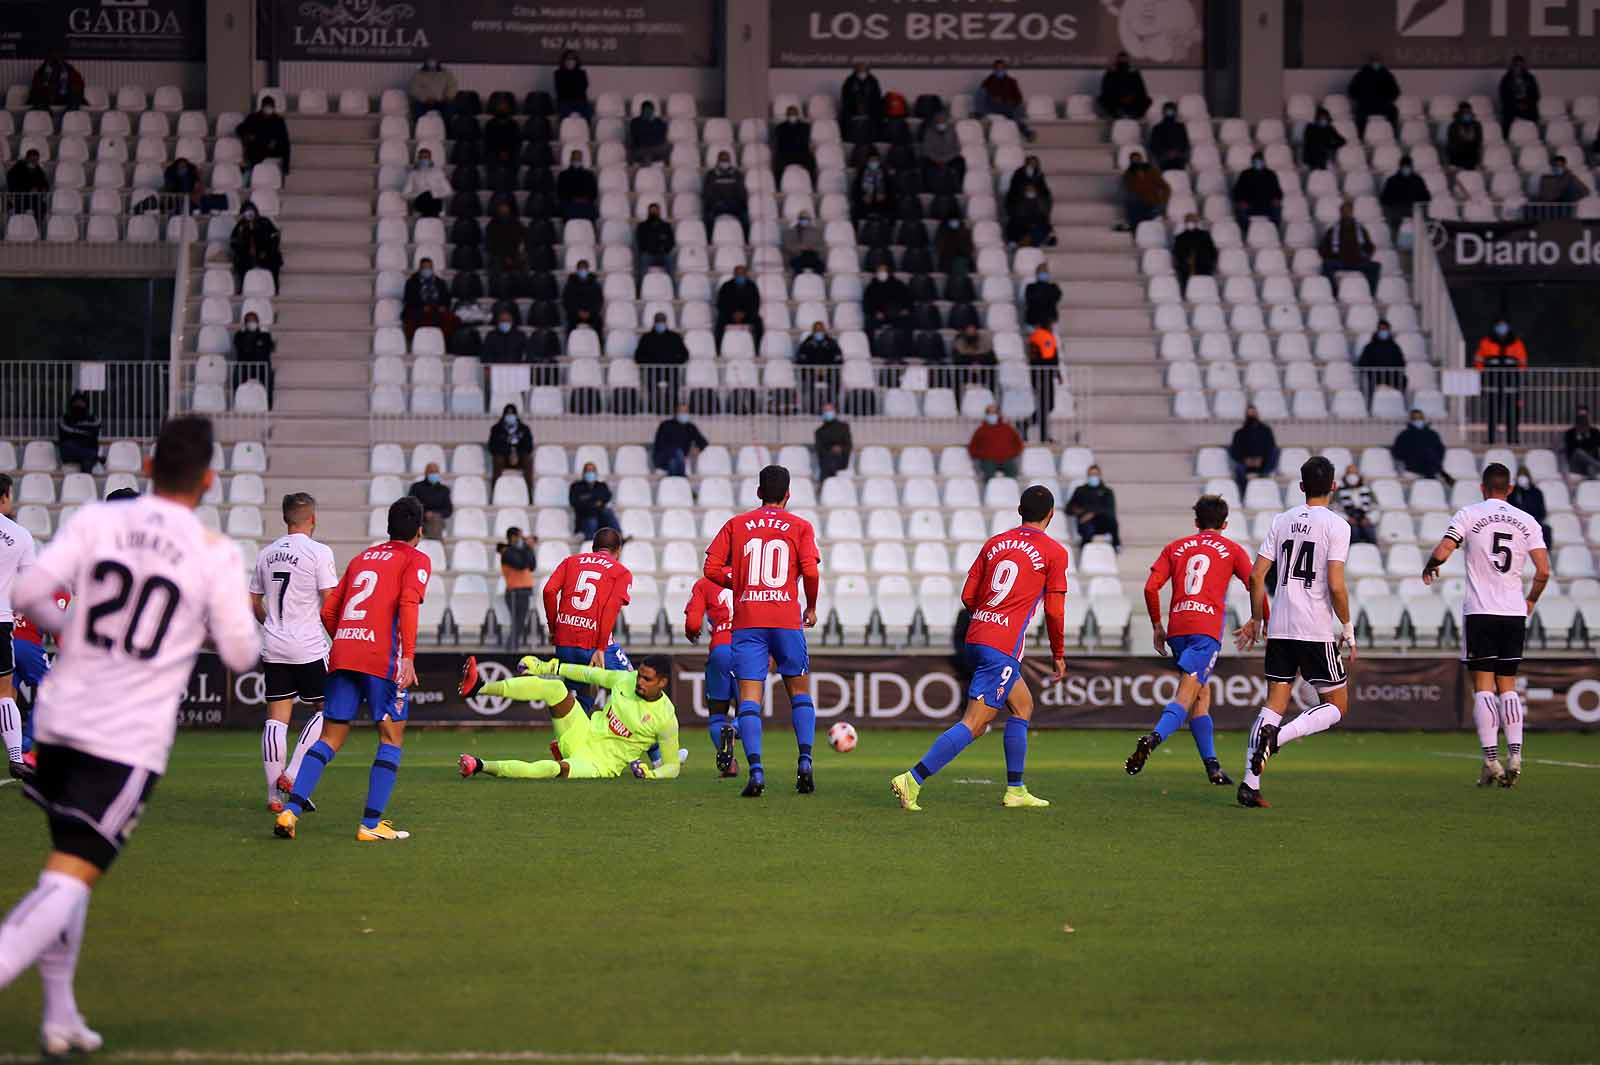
(1319, 718)
(1486, 716)
(37, 924)
(309, 735)
(1266, 717)
(11, 729)
(58, 966)
(273, 736)
(1511, 715)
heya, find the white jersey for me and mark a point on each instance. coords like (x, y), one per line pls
(291, 574)
(1496, 538)
(1302, 542)
(16, 555)
(149, 584)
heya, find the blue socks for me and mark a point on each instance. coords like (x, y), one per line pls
(943, 751)
(749, 724)
(1016, 744)
(1171, 720)
(1204, 742)
(316, 760)
(380, 784)
(804, 712)
(715, 723)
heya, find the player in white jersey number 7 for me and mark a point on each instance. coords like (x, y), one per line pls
(1305, 550)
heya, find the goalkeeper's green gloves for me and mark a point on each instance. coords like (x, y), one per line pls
(539, 667)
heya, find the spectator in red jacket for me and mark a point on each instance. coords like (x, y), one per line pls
(996, 446)
(999, 94)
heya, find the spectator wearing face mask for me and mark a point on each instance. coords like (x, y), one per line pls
(582, 298)
(1463, 141)
(1257, 192)
(678, 440)
(1373, 91)
(1382, 363)
(55, 83)
(1529, 498)
(660, 355)
(78, 434)
(577, 190)
(427, 189)
(739, 304)
(872, 192)
(1321, 141)
(803, 246)
(1194, 253)
(655, 241)
(434, 495)
(505, 241)
(426, 302)
(1094, 505)
(505, 345)
(1418, 449)
(999, 94)
(501, 143)
(860, 102)
(590, 499)
(572, 87)
(1559, 188)
(791, 145)
(1041, 300)
(1519, 95)
(1144, 193)
(1403, 191)
(647, 137)
(953, 247)
(252, 353)
(1122, 91)
(1357, 506)
(517, 561)
(1500, 359)
(722, 192)
(972, 358)
(264, 135)
(886, 301)
(27, 186)
(941, 152)
(1028, 224)
(254, 244)
(432, 88)
(182, 178)
(1030, 175)
(818, 356)
(1044, 368)
(996, 446)
(1253, 451)
(1169, 140)
(511, 445)
(832, 443)
(1347, 246)
(1581, 444)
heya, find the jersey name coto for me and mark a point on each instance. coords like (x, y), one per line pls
(765, 595)
(358, 634)
(577, 621)
(144, 540)
(1024, 546)
(993, 617)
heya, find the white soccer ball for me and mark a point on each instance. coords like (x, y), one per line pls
(842, 736)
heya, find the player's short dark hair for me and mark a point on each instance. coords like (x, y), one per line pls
(773, 484)
(1210, 512)
(608, 539)
(121, 494)
(183, 455)
(1316, 476)
(1496, 479)
(405, 518)
(5, 485)
(297, 507)
(660, 663)
(1036, 503)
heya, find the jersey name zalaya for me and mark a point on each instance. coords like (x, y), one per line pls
(150, 584)
(1302, 542)
(767, 551)
(1496, 537)
(587, 591)
(291, 574)
(16, 555)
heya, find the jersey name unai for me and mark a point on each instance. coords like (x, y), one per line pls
(592, 587)
(1302, 542)
(151, 585)
(767, 550)
(16, 555)
(366, 608)
(713, 603)
(1200, 567)
(291, 574)
(1496, 537)
(1007, 582)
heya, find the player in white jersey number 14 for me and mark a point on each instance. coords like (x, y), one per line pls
(1310, 625)
(1497, 540)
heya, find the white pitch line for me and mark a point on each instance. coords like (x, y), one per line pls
(1535, 761)
(307, 1057)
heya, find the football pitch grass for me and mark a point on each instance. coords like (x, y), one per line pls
(1383, 909)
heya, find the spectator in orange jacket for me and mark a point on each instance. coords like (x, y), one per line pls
(1501, 358)
(996, 446)
(1044, 357)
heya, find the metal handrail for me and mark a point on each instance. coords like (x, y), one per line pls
(175, 335)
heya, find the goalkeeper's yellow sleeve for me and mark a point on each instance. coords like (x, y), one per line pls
(609, 679)
(668, 770)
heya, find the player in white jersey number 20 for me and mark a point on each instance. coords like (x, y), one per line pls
(1497, 540)
(150, 585)
(1310, 623)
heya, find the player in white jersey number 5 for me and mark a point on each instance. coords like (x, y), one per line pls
(149, 586)
(1497, 540)
(1310, 624)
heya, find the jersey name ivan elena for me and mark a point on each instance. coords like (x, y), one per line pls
(363, 613)
(583, 597)
(1199, 567)
(767, 550)
(1008, 580)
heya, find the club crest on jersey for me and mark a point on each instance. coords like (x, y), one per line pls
(615, 724)
(422, 576)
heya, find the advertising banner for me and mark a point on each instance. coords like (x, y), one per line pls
(156, 30)
(1451, 33)
(1566, 249)
(974, 33)
(630, 33)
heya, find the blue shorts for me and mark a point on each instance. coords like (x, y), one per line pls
(32, 664)
(345, 691)
(616, 658)
(786, 648)
(1195, 654)
(720, 683)
(994, 674)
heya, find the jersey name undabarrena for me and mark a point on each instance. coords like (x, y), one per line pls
(17, 553)
(1496, 538)
(290, 575)
(364, 613)
(1007, 582)
(714, 603)
(765, 552)
(1199, 566)
(582, 598)
(1302, 542)
(151, 584)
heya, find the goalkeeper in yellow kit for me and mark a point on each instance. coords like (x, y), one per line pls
(612, 741)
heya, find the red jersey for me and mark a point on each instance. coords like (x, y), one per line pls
(372, 614)
(710, 600)
(1009, 578)
(582, 599)
(762, 555)
(23, 629)
(1199, 566)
